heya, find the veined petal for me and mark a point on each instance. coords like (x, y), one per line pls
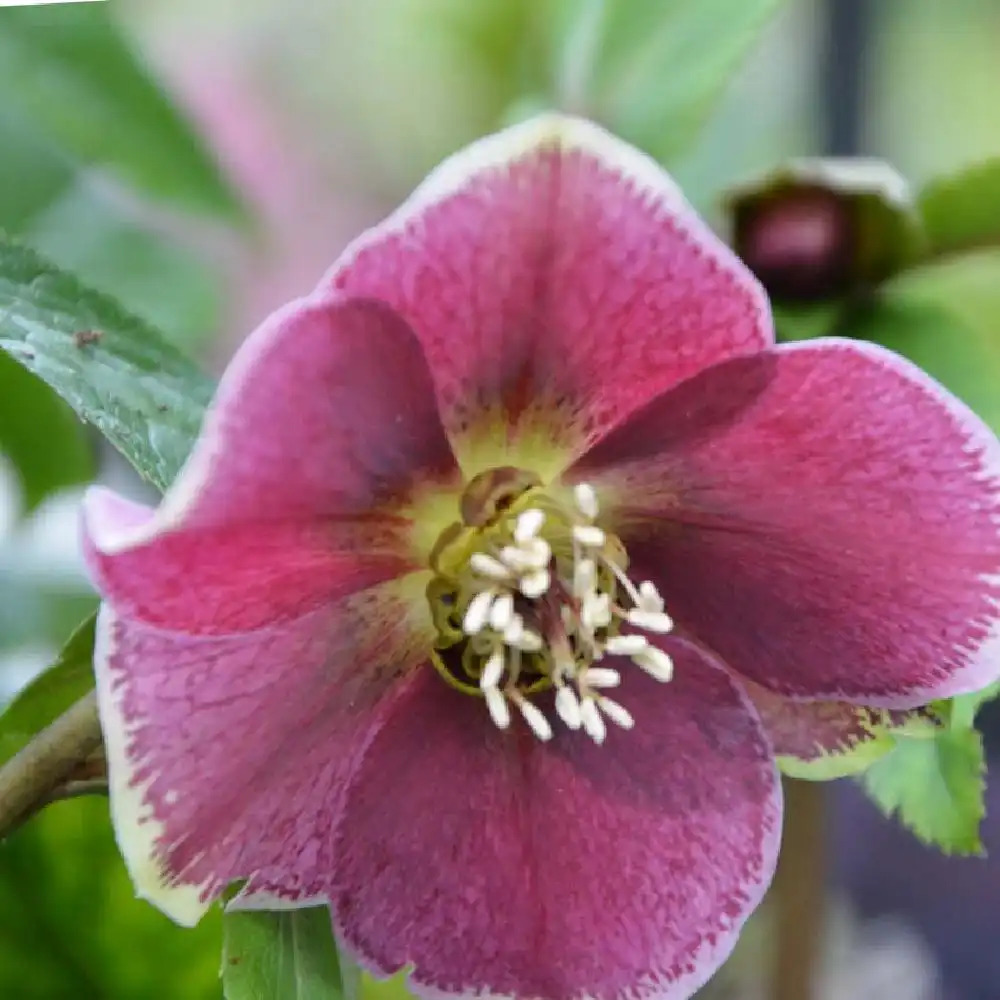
(229, 578)
(557, 280)
(327, 410)
(825, 517)
(559, 870)
(228, 754)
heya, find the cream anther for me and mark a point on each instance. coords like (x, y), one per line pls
(656, 663)
(493, 670)
(600, 677)
(586, 500)
(498, 708)
(618, 714)
(589, 535)
(593, 724)
(568, 707)
(486, 565)
(626, 645)
(651, 621)
(477, 613)
(502, 612)
(528, 524)
(536, 583)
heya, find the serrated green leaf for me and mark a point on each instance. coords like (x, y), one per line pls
(935, 788)
(963, 708)
(114, 370)
(40, 436)
(50, 693)
(662, 65)
(962, 211)
(69, 70)
(281, 955)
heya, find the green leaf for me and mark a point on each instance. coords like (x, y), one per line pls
(69, 70)
(50, 693)
(962, 211)
(935, 787)
(150, 276)
(39, 434)
(963, 708)
(115, 371)
(284, 955)
(32, 173)
(72, 927)
(663, 64)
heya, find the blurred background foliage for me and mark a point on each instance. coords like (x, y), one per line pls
(205, 161)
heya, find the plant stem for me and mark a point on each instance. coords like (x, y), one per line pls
(800, 894)
(30, 779)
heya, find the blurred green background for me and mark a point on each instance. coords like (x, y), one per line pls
(256, 139)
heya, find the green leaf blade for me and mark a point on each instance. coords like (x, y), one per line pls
(962, 211)
(662, 66)
(114, 370)
(935, 787)
(280, 955)
(70, 70)
(52, 692)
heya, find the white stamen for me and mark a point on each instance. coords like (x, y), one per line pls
(656, 663)
(586, 500)
(652, 621)
(493, 670)
(502, 612)
(601, 677)
(593, 724)
(626, 645)
(537, 552)
(519, 637)
(584, 577)
(568, 708)
(596, 611)
(486, 565)
(535, 719)
(535, 584)
(649, 597)
(589, 535)
(516, 558)
(477, 612)
(498, 707)
(529, 523)
(618, 714)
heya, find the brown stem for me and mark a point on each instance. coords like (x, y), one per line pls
(800, 894)
(29, 780)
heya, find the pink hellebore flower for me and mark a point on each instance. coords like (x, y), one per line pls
(530, 444)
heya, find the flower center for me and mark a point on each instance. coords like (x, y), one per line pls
(530, 594)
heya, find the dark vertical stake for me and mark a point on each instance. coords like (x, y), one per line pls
(846, 34)
(799, 895)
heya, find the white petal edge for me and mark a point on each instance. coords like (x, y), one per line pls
(136, 829)
(982, 664)
(568, 134)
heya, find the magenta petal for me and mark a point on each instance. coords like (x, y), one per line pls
(824, 517)
(557, 279)
(327, 409)
(232, 577)
(228, 754)
(324, 429)
(501, 866)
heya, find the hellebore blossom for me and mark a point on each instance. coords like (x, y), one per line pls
(505, 564)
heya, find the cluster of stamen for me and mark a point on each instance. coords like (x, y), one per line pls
(535, 600)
